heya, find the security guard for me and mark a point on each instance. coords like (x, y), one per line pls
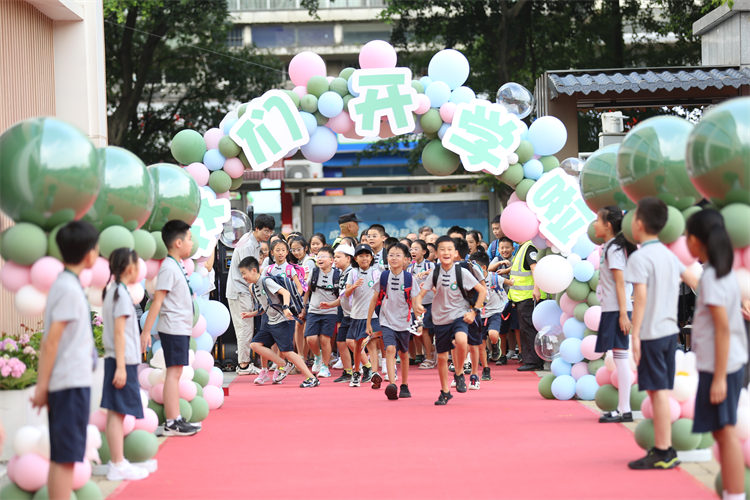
(524, 294)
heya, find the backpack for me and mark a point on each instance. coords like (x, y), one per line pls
(316, 274)
(497, 286)
(286, 281)
(427, 266)
(408, 283)
(471, 295)
(493, 251)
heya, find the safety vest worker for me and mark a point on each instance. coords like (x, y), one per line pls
(523, 280)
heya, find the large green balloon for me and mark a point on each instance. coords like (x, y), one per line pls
(719, 486)
(199, 408)
(606, 397)
(104, 454)
(525, 152)
(545, 386)
(219, 181)
(578, 290)
(186, 411)
(512, 175)
(316, 85)
(43, 494)
(674, 227)
(431, 121)
(126, 197)
(627, 226)
(437, 160)
(177, 196)
(228, 148)
(140, 446)
(651, 162)
(595, 365)
(161, 248)
(115, 237)
(12, 492)
(523, 188)
(145, 246)
(599, 184)
(201, 376)
(49, 172)
(188, 146)
(89, 491)
(737, 221)
(23, 244)
(158, 409)
(636, 397)
(644, 434)
(683, 438)
(718, 153)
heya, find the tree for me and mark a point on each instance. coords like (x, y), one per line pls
(168, 68)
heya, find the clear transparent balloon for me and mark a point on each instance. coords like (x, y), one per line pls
(516, 99)
(547, 342)
(235, 228)
(572, 166)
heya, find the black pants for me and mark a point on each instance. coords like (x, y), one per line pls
(525, 308)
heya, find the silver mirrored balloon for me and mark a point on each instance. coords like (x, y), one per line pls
(235, 228)
(516, 99)
(547, 342)
(572, 166)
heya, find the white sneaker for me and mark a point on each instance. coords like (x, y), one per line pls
(125, 471)
(317, 364)
(150, 465)
(385, 377)
(274, 366)
(324, 372)
(262, 377)
(453, 383)
(338, 365)
(244, 371)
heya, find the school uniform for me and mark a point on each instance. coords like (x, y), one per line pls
(274, 327)
(418, 267)
(724, 292)
(69, 389)
(345, 307)
(360, 302)
(126, 400)
(175, 323)
(322, 321)
(395, 313)
(497, 299)
(380, 260)
(657, 267)
(449, 306)
(509, 315)
(610, 335)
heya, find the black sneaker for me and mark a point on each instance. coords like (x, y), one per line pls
(486, 373)
(419, 359)
(495, 352)
(310, 382)
(656, 459)
(376, 380)
(615, 417)
(451, 368)
(345, 377)
(404, 392)
(502, 360)
(391, 392)
(366, 374)
(180, 427)
(460, 383)
(443, 399)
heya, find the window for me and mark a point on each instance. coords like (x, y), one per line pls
(235, 37)
(360, 33)
(306, 35)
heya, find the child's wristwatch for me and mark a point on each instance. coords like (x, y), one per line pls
(285, 307)
(476, 310)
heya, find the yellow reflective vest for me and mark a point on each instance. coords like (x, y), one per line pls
(523, 281)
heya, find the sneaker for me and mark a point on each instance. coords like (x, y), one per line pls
(515, 356)
(451, 368)
(502, 360)
(317, 364)
(179, 428)
(248, 370)
(338, 365)
(467, 367)
(460, 383)
(495, 352)
(376, 380)
(404, 391)
(486, 373)
(387, 379)
(310, 382)
(125, 471)
(324, 372)
(273, 366)
(474, 383)
(280, 374)
(391, 392)
(354, 382)
(453, 382)
(656, 459)
(443, 399)
(615, 417)
(345, 377)
(262, 377)
(366, 374)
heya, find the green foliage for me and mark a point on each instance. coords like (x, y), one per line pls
(19, 359)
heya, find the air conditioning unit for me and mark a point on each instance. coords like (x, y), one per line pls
(303, 169)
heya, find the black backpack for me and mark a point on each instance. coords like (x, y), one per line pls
(470, 296)
(313, 284)
(296, 302)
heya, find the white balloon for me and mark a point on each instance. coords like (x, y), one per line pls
(26, 439)
(685, 386)
(136, 292)
(553, 274)
(30, 301)
(151, 286)
(156, 376)
(743, 423)
(157, 361)
(42, 445)
(609, 361)
(187, 373)
(574, 259)
(191, 358)
(95, 296)
(144, 398)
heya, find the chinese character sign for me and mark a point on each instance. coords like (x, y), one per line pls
(382, 93)
(214, 212)
(269, 129)
(557, 202)
(483, 134)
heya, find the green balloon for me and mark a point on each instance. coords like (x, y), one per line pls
(23, 244)
(199, 408)
(219, 181)
(145, 246)
(320, 119)
(188, 146)
(12, 492)
(346, 73)
(595, 365)
(193, 344)
(627, 226)
(606, 397)
(674, 227)
(236, 184)
(720, 488)
(161, 248)
(309, 103)
(89, 491)
(718, 153)
(126, 197)
(525, 152)
(644, 434)
(52, 249)
(339, 85)
(293, 96)
(196, 312)
(198, 389)
(43, 494)
(545, 386)
(50, 172)
(599, 184)
(578, 290)
(592, 299)
(104, 454)
(347, 98)
(651, 162)
(316, 85)
(512, 175)
(228, 148)
(549, 162)
(177, 196)
(243, 159)
(580, 310)
(417, 85)
(158, 409)
(242, 108)
(185, 409)
(636, 397)
(690, 211)
(115, 237)
(707, 441)
(588, 331)
(592, 235)
(523, 187)
(431, 121)
(201, 377)
(736, 217)
(140, 445)
(594, 281)
(683, 438)
(437, 160)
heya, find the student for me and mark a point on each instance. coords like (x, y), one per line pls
(616, 306)
(376, 237)
(424, 231)
(359, 289)
(451, 314)
(510, 335)
(67, 357)
(321, 323)
(473, 239)
(394, 290)
(421, 268)
(432, 250)
(720, 345)
(277, 325)
(317, 241)
(457, 232)
(655, 273)
(122, 348)
(173, 306)
(494, 249)
(470, 367)
(298, 254)
(342, 258)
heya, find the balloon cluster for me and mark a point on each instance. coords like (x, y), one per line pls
(29, 467)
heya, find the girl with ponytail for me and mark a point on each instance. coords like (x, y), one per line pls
(617, 307)
(720, 344)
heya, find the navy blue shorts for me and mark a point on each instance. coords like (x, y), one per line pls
(444, 334)
(510, 318)
(176, 349)
(476, 334)
(281, 334)
(656, 368)
(398, 339)
(358, 328)
(320, 324)
(68, 414)
(339, 315)
(427, 320)
(708, 417)
(494, 322)
(346, 322)
(610, 334)
(126, 401)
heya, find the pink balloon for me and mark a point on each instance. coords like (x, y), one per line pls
(199, 173)
(157, 393)
(99, 419)
(588, 348)
(142, 270)
(341, 123)
(579, 369)
(602, 375)
(45, 270)
(447, 111)
(128, 424)
(152, 268)
(223, 196)
(85, 278)
(305, 65)
(203, 359)
(564, 317)
(189, 266)
(567, 304)
(149, 422)
(11, 468)
(377, 54)
(234, 168)
(29, 471)
(674, 409)
(212, 137)
(518, 222)
(188, 390)
(199, 328)
(423, 104)
(687, 407)
(746, 257)
(613, 379)
(81, 474)
(143, 378)
(513, 198)
(647, 408)
(680, 249)
(215, 377)
(300, 90)
(594, 257)
(736, 263)
(214, 396)
(746, 451)
(14, 277)
(137, 292)
(593, 317)
(100, 273)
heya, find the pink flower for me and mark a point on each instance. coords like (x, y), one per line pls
(5, 370)
(17, 368)
(29, 350)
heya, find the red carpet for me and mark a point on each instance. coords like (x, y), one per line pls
(334, 441)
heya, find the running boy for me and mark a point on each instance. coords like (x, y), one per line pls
(321, 323)
(655, 273)
(421, 269)
(342, 258)
(359, 289)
